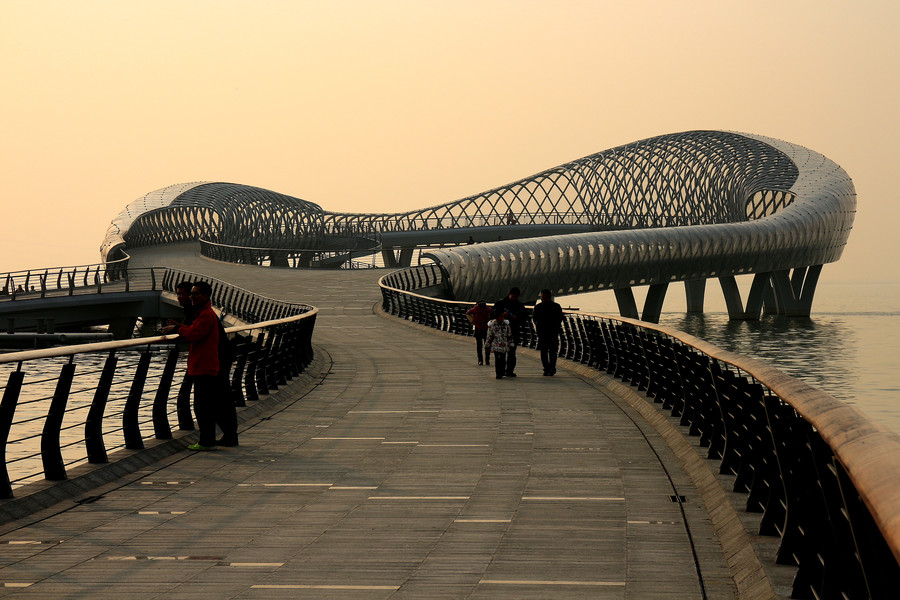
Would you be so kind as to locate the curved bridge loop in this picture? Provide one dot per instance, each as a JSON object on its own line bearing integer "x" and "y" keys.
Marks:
{"x": 682, "y": 207}
{"x": 822, "y": 474}
{"x": 784, "y": 212}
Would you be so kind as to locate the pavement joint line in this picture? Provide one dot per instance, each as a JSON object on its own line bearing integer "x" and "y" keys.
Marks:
{"x": 550, "y": 582}
{"x": 244, "y": 485}
{"x": 347, "y": 438}
{"x": 651, "y": 522}
{"x": 418, "y": 497}
{"x": 596, "y": 498}
{"x": 323, "y": 587}
{"x": 149, "y": 557}
{"x": 167, "y": 482}
{"x": 389, "y": 412}
{"x": 483, "y": 521}
{"x": 161, "y": 512}
{"x": 454, "y": 445}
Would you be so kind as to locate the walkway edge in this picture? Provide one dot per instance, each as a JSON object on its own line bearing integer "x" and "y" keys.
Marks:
{"x": 86, "y": 478}
{"x": 748, "y": 573}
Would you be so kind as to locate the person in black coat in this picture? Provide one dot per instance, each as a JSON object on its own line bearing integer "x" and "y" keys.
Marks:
{"x": 548, "y": 317}
{"x": 518, "y": 315}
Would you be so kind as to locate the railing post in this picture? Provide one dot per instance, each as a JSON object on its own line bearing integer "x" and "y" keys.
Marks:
{"x": 262, "y": 365}
{"x": 7, "y": 413}
{"x": 51, "y": 453}
{"x": 241, "y": 348}
{"x": 131, "y": 429}
{"x": 161, "y": 401}
{"x": 93, "y": 425}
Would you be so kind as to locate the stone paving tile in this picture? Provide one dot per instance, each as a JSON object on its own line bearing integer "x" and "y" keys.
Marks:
{"x": 393, "y": 476}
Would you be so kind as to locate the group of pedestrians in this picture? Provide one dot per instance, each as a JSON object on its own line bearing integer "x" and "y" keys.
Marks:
{"x": 498, "y": 331}
{"x": 208, "y": 365}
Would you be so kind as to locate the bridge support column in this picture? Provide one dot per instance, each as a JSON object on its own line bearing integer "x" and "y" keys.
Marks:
{"x": 390, "y": 260}
{"x": 627, "y": 305}
{"x": 794, "y": 293}
{"x": 653, "y": 303}
{"x": 279, "y": 259}
{"x": 406, "y": 256}
{"x": 736, "y": 309}
{"x": 695, "y": 294}
{"x": 122, "y": 327}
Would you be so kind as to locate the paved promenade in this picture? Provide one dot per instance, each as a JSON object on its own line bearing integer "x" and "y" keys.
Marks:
{"x": 408, "y": 472}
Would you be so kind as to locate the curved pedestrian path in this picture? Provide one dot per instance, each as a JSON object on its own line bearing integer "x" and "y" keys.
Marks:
{"x": 406, "y": 472}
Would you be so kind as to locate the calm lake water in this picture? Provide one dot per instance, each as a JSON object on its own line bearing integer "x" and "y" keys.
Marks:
{"x": 849, "y": 347}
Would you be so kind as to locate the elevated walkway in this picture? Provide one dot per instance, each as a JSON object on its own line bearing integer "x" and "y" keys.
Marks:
{"x": 407, "y": 472}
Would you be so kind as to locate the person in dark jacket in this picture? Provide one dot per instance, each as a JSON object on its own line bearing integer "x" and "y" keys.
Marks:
{"x": 518, "y": 315}
{"x": 548, "y": 317}
{"x": 203, "y": 362}
{"x": 479, "y": 315}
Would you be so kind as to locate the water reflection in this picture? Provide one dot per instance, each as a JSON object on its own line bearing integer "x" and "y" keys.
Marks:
{"x": 822, "y": 352}
{"x": 23, "y": 451}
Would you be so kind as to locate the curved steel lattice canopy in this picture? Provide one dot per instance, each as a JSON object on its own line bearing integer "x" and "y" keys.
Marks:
{"x": 677, "y": 207}
{"x": 706, "y": 204}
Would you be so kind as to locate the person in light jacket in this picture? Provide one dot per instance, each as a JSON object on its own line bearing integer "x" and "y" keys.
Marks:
{"x": 499, "y": 340}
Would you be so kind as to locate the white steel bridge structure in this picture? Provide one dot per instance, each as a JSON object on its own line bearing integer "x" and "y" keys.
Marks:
{"x": 684, "y": 207}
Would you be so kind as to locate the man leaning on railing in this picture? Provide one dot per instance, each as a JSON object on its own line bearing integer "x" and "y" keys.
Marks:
{"x": 203, "y": 362}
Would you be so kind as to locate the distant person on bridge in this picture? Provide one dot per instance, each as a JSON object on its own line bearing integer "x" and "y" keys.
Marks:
{"x": 518, "y": 314}
{"x": 499, "y": 341}
{"x": 478, "y": 316}
{"x": 548, "y": 317}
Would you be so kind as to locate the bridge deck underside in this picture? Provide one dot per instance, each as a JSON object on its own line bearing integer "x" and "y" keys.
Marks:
{"x": 409, "y": 472}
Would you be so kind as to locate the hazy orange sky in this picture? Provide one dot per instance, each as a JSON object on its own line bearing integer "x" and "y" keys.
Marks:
{"x": 393, "y": 105}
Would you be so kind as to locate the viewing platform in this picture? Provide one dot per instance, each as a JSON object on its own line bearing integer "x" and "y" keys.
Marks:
{"x": 403, "y": 471}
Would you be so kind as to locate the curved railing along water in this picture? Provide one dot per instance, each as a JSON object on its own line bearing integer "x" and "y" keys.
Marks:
{"x": 273, "y": 345}
{"x": 38, "y": 283}
{"x": 823, "y": 475}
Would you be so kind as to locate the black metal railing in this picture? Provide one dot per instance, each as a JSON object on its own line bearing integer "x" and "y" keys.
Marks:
{"x": 121, "y": 389}
{"x": 292, "y": 257}
{"x": 823, "y": 476}
{"x": 55, "y": 281}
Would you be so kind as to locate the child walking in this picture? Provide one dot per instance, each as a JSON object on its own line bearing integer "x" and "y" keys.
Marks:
{"x": 499, "y": 338}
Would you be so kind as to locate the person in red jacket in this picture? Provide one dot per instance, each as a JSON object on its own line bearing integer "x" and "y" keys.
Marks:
{"x": 203, "y": 362}
{"x": 478, "y": 316}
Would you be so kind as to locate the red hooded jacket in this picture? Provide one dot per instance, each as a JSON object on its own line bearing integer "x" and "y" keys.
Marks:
{"x": 203, "y": 334}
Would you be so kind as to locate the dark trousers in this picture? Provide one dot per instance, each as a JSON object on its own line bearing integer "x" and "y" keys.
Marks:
{"x": 511, "y": 359}
{"x": 549, "y": 352}
{"x": 480, "y": 336}
{"x": 500, "y": 363}
{"x": 226, "y": 414}
{"x": 206, "y": 391}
